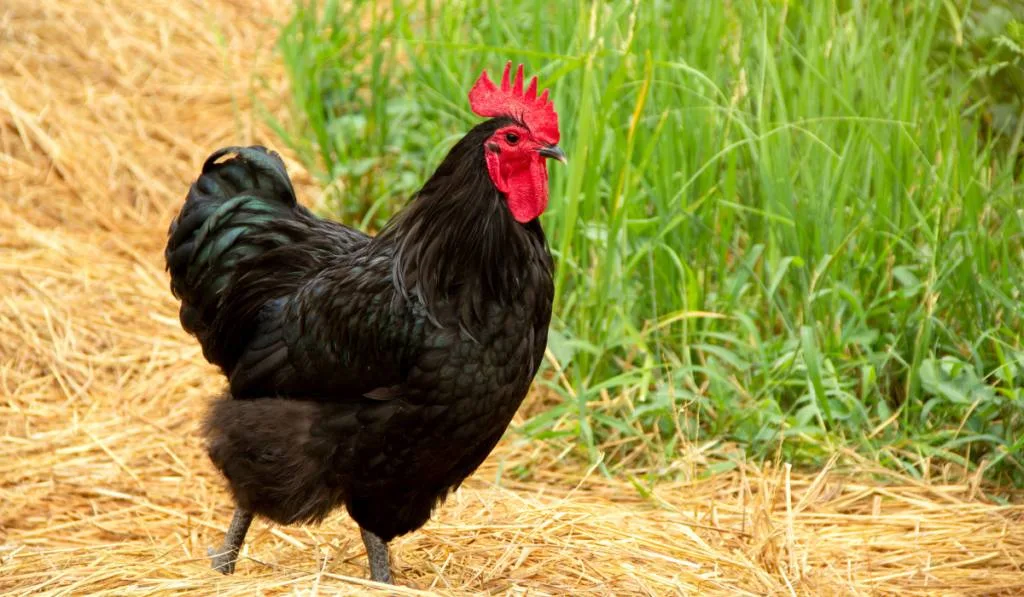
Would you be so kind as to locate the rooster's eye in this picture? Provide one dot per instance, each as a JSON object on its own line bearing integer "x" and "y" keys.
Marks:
{"x": 512, "y": 138}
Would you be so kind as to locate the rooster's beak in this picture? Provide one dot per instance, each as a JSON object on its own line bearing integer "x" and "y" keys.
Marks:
{"x": 554, "y": 152}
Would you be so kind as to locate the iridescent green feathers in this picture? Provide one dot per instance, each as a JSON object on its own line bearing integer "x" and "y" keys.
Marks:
{"x": 228, "y": 218}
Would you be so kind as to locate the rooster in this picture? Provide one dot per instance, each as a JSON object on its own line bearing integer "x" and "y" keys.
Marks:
{"x": 374, "y": 373}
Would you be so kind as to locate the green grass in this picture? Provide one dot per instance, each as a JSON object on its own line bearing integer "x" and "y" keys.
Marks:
{"x": 794, "y": 225}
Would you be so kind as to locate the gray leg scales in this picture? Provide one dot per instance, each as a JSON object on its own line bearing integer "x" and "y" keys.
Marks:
{"x": 223, "y": 559}
{"x": 377, "y": 554}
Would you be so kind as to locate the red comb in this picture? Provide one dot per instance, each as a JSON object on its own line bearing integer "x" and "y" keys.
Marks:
{"x": 537, "y": 112}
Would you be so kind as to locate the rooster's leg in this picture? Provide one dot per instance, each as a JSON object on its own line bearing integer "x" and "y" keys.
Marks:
{"x": 377, "y": 553}
{"x": 223, "y": 559}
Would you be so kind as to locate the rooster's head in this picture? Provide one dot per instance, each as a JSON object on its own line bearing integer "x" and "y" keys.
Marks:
{"x": 516, "y": 153}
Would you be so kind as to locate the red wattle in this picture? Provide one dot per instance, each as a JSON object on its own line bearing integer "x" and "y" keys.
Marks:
{"x": 525, "y": 188}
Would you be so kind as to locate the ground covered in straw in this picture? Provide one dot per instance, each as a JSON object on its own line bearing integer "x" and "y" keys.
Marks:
{"x": 107, "y": 110}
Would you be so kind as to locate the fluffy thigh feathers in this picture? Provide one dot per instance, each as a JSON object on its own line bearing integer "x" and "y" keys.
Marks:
{"x": 277, "y": 459}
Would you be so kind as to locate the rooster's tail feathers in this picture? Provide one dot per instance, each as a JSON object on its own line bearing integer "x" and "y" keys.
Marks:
{"x": 237, "y": 210}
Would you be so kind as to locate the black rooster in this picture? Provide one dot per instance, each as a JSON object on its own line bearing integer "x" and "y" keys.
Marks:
{"x": 371, "y": 372}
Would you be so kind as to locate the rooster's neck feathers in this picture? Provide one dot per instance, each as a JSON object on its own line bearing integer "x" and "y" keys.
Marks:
{"x": 456, "y": 246}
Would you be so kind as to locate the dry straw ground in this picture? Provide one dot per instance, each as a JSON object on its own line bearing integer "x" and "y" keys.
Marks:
{"x": 107, "y": 108}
